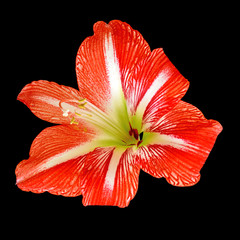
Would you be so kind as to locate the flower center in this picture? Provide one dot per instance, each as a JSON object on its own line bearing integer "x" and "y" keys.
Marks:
{"x": 114, "y": 128}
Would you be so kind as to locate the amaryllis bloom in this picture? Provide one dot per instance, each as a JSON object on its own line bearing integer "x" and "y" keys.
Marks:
{"x": 127, "y": 115}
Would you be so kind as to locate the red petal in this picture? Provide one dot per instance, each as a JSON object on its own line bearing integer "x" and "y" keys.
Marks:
{"x": 131, "y": 48}
{"x": 63, "y": 179}
{"x": 55, "y": 162}
{"x": 185, "y": 140}
{"x": 106, "y": 58}
{"x": 109, "y": 178}
{"x": 157, "y": 86}
{"x": 91, "y": 69}
{"x": 43, "y": 97}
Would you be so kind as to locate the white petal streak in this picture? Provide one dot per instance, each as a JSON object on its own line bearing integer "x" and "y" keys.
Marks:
{"x": 173, "y": 141}
{"x": 62, "y": 157}
{"x": 112, "y": 65}
{"x": 157, "y": 84}
{"x": 48, "y": 100}
{"x": 70, "y": 154}
{"x": 112, "y": 168}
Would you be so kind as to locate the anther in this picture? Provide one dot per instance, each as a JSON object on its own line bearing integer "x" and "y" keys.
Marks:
{"x": 73, "y": 121}
{"x": 82, "y": 106}
{"x": 78, "y": 114}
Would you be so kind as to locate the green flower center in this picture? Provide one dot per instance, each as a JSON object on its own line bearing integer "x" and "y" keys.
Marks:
{"x": 116, "y": 128}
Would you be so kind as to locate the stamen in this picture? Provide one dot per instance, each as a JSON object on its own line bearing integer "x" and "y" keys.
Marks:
{"x": 82, "y": 106}
{"x": 78, "y": 114}
{"x": 73, "y": 121}
{"x": 82, "y": 109}
{"x": 104, "y": 118}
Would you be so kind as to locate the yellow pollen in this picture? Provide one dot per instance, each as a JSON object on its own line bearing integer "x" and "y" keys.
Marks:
{"x": 78, "y": 114}
{"x": 73, "y": 121}
{"x": 82, "y": 100}
{"x": 81, "y": 106}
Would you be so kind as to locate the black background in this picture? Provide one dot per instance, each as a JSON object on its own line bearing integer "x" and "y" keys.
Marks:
{"x": 44, "y": 40}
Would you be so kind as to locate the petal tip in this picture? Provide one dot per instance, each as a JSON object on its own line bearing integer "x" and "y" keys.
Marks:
{"x": 187, "y": 181}
{"x": 20, "y": 96}
{"x": 217, "y": 126}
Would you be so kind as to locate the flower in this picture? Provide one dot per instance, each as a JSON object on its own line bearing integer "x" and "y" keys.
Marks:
{"x": 127, "y": 115}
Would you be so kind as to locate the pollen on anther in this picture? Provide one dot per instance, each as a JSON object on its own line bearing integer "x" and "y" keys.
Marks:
{"x": 73, "y": 121}
{"x": 78, "y": 114}
{"x": 82, "y": 106}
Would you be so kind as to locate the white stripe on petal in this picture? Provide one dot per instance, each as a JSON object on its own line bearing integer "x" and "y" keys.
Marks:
{"x": 118, "y": 102}
{"x": 171, "y": 140}
{"x": 112, "y": 168}
{"x": 113, "y": 70}
{"x": 62, "y": 157}
{"x": 157, "y": 84}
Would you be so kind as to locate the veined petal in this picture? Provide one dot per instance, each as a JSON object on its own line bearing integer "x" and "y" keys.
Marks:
{"x": 105, "y": 60}
{"x": 56, "y": 159}
{"x": 130, "y": 49}
{"x": 91, "y": 67}
{"x": 179, "y": 147}
{"x": 109, "y": 177}
{"x": 43, "y": 99}
{"x": 157, "y": 87}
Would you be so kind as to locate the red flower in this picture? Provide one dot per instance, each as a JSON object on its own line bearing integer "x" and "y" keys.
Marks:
{"x": 126, "y": 116}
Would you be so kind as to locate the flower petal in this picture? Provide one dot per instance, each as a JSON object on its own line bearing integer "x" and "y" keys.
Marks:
{"x": 104, "y": 61}
{"x": 130, "y": 48}
{"x": 180, "y": 146}
{"x": 157, "y": 87}
{"x": 56, "y": 159}
{"x": 43, "y": 98}
{"x": 109, "y": 177}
